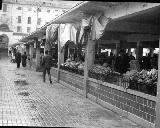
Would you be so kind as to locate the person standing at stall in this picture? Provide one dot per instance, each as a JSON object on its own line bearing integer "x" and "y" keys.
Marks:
{"x": 24, "y": 57}
{"x": 122, "y": 62}
{"x": 47, "y": 62}
{"x": 18, "y": 58}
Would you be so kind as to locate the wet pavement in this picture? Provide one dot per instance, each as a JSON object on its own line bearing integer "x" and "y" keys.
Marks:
{"x": 26, "y": 101}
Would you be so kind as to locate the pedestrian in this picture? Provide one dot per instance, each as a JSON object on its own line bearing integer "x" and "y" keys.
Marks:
{"x": 41, "y": 60}
{"x": 122, "y": 62}
{"x": 47, "y": 62}
{"x": 29, "y": 61}
{"x": 18, "y": 58}
{"x": 24, "y": 57}
{"x": 131, "y": 57}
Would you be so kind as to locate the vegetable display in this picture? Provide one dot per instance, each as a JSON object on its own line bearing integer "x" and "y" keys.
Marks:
{"x": 144, "y": 81}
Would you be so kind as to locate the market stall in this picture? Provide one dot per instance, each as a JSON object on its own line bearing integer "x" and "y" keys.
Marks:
{"x": 95, "y": 75}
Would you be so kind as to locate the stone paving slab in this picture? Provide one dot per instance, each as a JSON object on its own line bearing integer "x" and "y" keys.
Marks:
{"x": 26, "y": 101}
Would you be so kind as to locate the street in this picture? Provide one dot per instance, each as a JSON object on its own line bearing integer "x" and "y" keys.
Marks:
{"x": 26, "y": 101}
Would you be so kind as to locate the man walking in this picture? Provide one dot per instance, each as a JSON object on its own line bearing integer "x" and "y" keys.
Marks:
{"x": 47, "y": 61}
{"x": 18, "y": 58}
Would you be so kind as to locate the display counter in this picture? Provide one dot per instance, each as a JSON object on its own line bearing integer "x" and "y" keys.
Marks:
{"x": 129, "y": 103}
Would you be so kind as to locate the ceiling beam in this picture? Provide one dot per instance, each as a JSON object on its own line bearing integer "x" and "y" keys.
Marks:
{"x": 129, "y": 9}
{"x": 133, "y": 28}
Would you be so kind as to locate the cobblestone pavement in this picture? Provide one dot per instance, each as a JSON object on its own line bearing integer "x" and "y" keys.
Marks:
{"x": 34, "y": 103}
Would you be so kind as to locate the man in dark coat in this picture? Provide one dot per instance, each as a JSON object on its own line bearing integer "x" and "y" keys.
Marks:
{"x": 24, "y": 57}
{"x": 18, "y": 58}
{"x": 47, "y": 62}
{"x": 122, "y": 62}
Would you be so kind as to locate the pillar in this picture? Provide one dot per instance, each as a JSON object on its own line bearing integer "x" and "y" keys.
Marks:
{"x": 37, "y": 55}
{"x": 89, "y": 61}
{"x": 117, "y": 48}
{"x": 129, "y": 51}
{"x": 59, "y": 53}
{"x": 31, "y": 50}
{"x": 157, "y": 122}
{"x": 27, "y": 49}
{"x": 31, "y": 54}
{"x": 151, "y": 51}
{"x": 139, "y": 50}
{"x": 62, "y": 56}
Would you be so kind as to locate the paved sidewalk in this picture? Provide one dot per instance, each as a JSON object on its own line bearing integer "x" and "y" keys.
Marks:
{"x": 34, "y": 103}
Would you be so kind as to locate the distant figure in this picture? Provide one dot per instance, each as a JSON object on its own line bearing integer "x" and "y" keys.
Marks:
{"x": 131, "y": 57}
{"x": 122, "y": 62}
{"x": 29, "y": 60}
{"x": 41, "y": 60}
{"x": 24, "y": 57}
{"x": 18, "y": 58}
{"x": 47, "y": 62}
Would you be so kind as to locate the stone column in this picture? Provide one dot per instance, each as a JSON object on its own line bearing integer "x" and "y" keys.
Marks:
{"x": 37, "y": 55}
{"x": 27, "y": 49}
{"x": 117, "y": 48}
{"x": 129, "y": 51}
{"x": 31, "y": 54}
{"x": 151, "y": 51}
{"x": 31, "y": 50}
{"x": 157, "y": 122}
{"x": 139, "y": 50}
{"x": 89, "y": 61}
{"x": 59, "y": 53}
{"x": 62, "y": 56}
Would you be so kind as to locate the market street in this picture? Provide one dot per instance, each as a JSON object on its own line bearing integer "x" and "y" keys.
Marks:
{"x": 34, "y": 103}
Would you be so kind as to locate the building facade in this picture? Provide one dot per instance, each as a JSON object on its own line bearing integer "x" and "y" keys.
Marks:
{"x": 24, "y": 17}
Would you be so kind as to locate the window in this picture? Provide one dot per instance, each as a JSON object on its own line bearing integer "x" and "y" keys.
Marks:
{"x": 48, "y": 11}
{"x": 39, "y": 21}
{"x": 4, "y": 7}
{"x": 19, "y": 19}
{"x": 28, "y": 29}
{"x": 19, "y": 29}
{"x": 29, "y": 20}
{"x": 19, "y": 8}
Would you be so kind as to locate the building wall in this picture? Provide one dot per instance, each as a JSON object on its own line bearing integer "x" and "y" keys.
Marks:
{"x": 10, "y": 17}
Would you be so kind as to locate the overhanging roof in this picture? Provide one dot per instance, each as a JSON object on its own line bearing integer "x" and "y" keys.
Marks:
{"x": 73, "y": 15}
{"x": 86, "y": 8}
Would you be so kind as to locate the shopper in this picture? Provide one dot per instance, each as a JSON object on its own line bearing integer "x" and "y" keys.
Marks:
{"x": 122, "y": 62}
{"x": 24, "y": 57}
{"x": 41, "y": 60}
{"x": 29, "y": 60}
{"x": 18, "y": 58}
{"x": 131, "y": 57}
{"x": 47, "y": 62}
